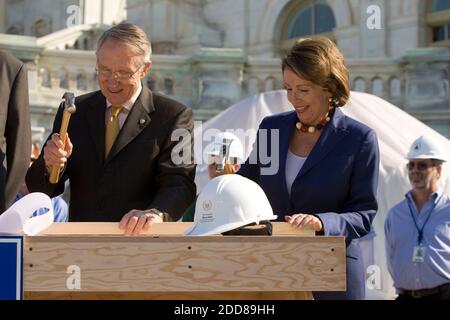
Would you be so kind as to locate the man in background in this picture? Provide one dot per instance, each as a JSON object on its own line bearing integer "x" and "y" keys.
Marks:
{"x": 418, "y": 228}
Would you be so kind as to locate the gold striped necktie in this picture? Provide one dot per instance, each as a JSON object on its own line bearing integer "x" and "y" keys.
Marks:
{"x": 112, "y": 128}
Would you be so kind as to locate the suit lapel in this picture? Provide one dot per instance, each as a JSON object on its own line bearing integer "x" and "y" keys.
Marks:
{"x": 137, "y": 120}
{"x": 329, "y": 139}
{"x": 96, "y": 121}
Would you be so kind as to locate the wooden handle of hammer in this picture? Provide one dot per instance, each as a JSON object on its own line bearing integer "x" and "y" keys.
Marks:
{"x": 55, "y": 171}
{"x": 229, "y": 168}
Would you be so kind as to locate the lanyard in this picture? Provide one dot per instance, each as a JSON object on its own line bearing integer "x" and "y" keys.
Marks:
{"x": 420, "y": 230}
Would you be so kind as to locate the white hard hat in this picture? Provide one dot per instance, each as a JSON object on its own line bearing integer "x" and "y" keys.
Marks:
{"x": 229, "y": 202}
{"x": 426, "y": 147}
{"x": 236, "y": 148}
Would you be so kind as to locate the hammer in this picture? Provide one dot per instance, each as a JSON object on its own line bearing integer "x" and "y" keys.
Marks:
{"x": 224, "y": 164}
{"x": 69, "y": 109}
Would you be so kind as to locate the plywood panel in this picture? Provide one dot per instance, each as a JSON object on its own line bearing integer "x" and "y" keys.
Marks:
{"x": 168, "y": 295}
{"x": 186, "y": 264}
{"x": 94, "y": 229}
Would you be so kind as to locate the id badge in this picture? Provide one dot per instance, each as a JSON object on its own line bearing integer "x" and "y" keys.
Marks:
{"x": 418, "y": 254}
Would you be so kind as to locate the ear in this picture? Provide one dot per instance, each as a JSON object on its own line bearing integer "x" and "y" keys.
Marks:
{"x": 328, "y": 93}
{"x": 439, "y": 170}
{"x": 145, "y": 69}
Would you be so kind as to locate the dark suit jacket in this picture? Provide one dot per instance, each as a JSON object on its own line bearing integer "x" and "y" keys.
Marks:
{"x": 138, "y": 173}
{"x": 337, "y": 183}
{"x": 15, "y": 130}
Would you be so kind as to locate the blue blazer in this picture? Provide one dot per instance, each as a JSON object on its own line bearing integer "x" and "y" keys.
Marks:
{"x": 337, "y": 183}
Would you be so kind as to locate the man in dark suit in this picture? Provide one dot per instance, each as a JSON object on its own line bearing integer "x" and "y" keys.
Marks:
{"x": 15, "y": 130}
{"x": 120, "y": 157}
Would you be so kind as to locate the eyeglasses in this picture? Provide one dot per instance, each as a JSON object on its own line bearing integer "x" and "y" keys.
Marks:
{"x": 419, "y": 165}
{"x": 119, "y": 75}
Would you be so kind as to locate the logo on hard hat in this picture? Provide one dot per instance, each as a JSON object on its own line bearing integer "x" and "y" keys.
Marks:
{"x": 207, "y": 205}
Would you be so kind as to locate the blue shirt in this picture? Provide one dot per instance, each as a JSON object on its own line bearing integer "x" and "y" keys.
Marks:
{"x": 402, "y": 236}
{"x": 60, "y": 209}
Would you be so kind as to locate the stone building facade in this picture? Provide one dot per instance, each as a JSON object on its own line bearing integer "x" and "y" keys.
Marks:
{"x": 212, "y": 53}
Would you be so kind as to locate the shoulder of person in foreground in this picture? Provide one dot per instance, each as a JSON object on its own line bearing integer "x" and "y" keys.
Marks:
{"x": 10, "y": 60}
{"x": 355, "y": 127}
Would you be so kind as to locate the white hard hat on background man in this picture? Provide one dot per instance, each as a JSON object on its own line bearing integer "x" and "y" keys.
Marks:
{"x": 236, "y": 149}
{"x": 229, "y": 202}
{"x": 426, "y": 147}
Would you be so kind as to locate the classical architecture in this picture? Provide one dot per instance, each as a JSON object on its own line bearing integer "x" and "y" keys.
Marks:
{"x": 212, "y": 53}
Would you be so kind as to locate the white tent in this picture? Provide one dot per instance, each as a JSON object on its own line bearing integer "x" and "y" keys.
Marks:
{"x": 396, "y": 130}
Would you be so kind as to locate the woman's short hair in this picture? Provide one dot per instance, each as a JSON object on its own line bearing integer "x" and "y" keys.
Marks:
{"x": 131, "y": 35}
{"x": 319, "y": 61}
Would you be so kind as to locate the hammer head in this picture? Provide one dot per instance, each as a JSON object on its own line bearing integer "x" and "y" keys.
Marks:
{"x": 69, "y": 102}
{"x": 223, "y": 154}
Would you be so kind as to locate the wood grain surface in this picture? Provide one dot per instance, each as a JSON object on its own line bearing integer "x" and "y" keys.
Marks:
{"x": 186, "y": 264}
{"x": 168, "y": 295}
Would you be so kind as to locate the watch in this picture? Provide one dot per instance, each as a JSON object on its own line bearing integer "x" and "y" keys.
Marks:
{"x": 157, "y": 212}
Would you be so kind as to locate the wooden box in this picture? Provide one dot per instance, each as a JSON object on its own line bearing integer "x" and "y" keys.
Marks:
{"x": 95, "y": 261}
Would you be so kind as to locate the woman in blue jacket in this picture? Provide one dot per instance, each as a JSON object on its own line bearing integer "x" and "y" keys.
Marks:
{"x": 317, "y": 166}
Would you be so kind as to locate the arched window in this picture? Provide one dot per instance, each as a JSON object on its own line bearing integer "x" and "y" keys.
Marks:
{"x": 45, "y": 77}
{"x": 41, "y": 28}
{"x": 359, "y": 84}
{"x": 168, "y": 86}
{"x": 314, "y": 17}
{"x": 15, "y": 29}
{"x": 377, "y": 87}
{"x": 81, "y": 82}
{"x": 306, "y": 18}
{"x": 438, "y": 20}
{"x": 395, "y": 88}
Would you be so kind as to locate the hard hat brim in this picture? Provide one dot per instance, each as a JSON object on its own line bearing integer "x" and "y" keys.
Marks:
{"x": 203, "y": 230}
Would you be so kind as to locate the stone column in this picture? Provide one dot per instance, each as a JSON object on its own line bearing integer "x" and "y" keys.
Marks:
{"x": 2, "y": 16}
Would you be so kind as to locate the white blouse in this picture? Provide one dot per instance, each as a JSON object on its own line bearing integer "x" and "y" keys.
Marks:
{"x": 293, "y": 165}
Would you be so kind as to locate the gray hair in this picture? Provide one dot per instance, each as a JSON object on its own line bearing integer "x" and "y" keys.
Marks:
{"x": 131, "y": 35}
